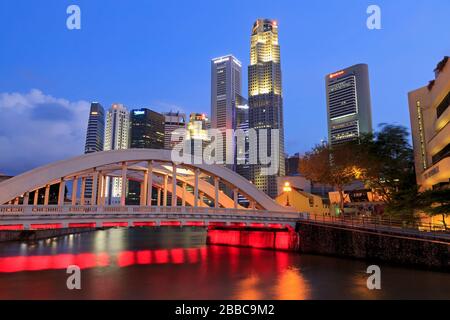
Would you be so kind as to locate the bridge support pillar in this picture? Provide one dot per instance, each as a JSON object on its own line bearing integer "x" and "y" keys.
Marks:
{"x": 36, "y": 197}
{"x": 105, "y": 186}
{"x": 235, "y": 198}
{"x": 74, "y": 190}
{"x": 62, "y": 191}
{"x": 197, "y": 173}
{"x": 123, "y": 194}
{"x": 166, "y": 179}
{"x": 101, "y": 185}
{"x": 216, "y": 192}
{"x": 158, "y": 201}
{"x": 26, "y": 198}
{"x": 183, "y": 200}
{"x": 94, "y": 189}
{"x": 174, "y": 185}
{"x": 47, "y": 195}
{"x": 83, "y": 190}
{"x": 149, "y": 183}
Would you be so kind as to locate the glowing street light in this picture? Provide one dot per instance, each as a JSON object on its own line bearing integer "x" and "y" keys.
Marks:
{"x": 287, "y": 188}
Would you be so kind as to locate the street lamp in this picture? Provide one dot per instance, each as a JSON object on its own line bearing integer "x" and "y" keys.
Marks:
{"x": 287, "y": 188}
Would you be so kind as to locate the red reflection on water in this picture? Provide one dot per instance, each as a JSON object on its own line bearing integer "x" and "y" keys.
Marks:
{"x": 192, "y": 255}
{"x": 161, "y": 256}
{"x": 177, "y": 256}
{"x": 144, "y": 257}
{"x": 125, "y": 259}
{"x": 254, "y": 239}
{"x": 55, "y": 262}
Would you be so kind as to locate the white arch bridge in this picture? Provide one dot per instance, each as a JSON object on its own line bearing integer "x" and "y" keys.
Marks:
{"x": 167, "y": 194}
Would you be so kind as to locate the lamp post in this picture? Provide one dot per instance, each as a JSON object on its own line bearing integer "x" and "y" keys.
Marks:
{"x": 287, "y": 188}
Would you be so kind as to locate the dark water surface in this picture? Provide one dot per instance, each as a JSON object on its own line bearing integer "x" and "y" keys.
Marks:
{"x": 174, "y": 263}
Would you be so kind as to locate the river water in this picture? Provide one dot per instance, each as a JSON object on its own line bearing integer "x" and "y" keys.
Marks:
{"x": 175, "y": 263}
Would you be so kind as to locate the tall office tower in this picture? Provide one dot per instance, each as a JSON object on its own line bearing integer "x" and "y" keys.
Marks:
{"x": 242, "y": 152}
{"x": 265, "y": 99}
{"x": 116, "y": 138}
{"x": 146, "y": 132}
{"x": 429, "y": 109}
{"x": 225, "y": 88}
{"x": 349, "y": 107}
{"x": 94, "y": 137}
{"x": 172, "y": 122}
{"x": 146, "y": 129}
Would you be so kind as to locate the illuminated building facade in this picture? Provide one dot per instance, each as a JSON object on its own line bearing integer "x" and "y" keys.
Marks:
{"x": 429, "y": 109}
{"x": 349, "y": 108}
{"x": 172, "y": 122}
{"x": 116, "y": 138}
{"x": 95, "y": 136}
{"x": 197, "y": 132}
{"x": 265, "y": 98}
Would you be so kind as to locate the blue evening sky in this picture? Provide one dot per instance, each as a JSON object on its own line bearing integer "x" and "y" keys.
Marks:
{"x": 148, "y": 53}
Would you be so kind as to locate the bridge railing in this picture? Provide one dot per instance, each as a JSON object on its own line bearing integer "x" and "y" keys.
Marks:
{"x": 17, "y": 210}
{"x": 418, "y": 228}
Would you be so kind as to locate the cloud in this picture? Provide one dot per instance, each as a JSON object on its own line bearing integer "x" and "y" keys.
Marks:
{"x": 37, "y": 128}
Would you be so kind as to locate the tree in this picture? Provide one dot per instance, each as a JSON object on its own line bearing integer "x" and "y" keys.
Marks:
{"x": 387, "y": 161}
{"x": 436, "y": 203}
{"x": 331, "y": 166}
{"x": 403, "y": 204}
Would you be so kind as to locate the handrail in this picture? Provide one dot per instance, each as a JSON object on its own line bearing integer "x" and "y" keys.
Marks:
{"x": 371, "y": 223}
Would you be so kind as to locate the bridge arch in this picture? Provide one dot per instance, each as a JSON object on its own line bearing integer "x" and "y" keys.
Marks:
{"x": 150, "y": 168}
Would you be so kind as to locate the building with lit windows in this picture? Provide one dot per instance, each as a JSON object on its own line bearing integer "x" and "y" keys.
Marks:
{"x": 197, "y": 132}
{"x": 349, "y": 108}
{"x": 242, "y": 152}
{"x": 146, "y": 132}
{"x": 429, "y": 109}
{"x": 116, "y": 138}
{"x": 265, "y": 99}
{"x": 146, "y": 129}
{"x": 95, "y": 136}
{"x": 172, "y": 122}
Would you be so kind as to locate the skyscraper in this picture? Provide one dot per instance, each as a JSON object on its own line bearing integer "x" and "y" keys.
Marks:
{"x": 94, "y": 137}
{"x": 172, "y": 122}
{"x": 225, "y": 89}
{"x": 146, "y": 129}
{"x": 146, "y": 132}
{"x": 116, "y": 138}
{"x": 242, "y": 152}
{"x": 349, "y": 107}
{"x": 265, "y": 98}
